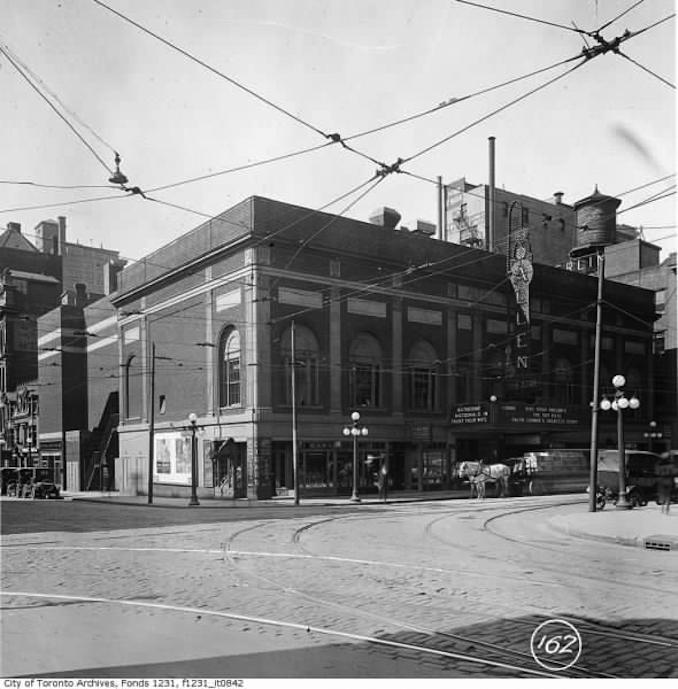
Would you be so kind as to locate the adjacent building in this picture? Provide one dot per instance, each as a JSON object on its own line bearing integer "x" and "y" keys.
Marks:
{"x": 35, "y": 277}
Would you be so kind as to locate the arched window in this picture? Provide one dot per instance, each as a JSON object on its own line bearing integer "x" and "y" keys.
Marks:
{"x": 132, "y": 388}
{"x": 423, "y": 387}
{"x": 229, "y": 376}
{"x": 563, "y": 379}
{"x": 365, "y": 367}
{"x": 307, "y": 356}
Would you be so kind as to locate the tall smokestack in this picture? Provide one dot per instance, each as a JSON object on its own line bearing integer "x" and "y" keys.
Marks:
{"x": 491, "y": 225}
{"x": 441, "y": 200}
{"x": 62, "y": 235}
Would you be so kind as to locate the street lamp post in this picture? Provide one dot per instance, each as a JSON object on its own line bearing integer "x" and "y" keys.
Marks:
{"x": 355, "y": 430}
{"x": 193, "y": 420}
{"x": 653, "y": 433}
{"x": 619, "y": 404}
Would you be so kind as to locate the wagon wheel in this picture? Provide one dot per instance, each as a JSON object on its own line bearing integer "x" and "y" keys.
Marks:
{"x": 535, "y": 487}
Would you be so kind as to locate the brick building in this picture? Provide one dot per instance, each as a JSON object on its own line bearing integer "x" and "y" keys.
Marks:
{"x": 37, "y": 276}
{"x": 425, "y": 338}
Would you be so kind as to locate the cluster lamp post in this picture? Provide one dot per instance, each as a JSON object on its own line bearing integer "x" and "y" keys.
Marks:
{"x": 619, "y": 404}
{"x": 356, "y": 429}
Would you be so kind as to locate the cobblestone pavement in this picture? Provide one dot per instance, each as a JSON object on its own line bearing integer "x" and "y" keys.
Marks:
{"x": 470, "y": 581}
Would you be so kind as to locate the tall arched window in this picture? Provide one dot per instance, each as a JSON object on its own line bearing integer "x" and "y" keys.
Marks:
{"x": 132, "y": 388}
{"x": 307, "y": 356}
{"x": 423, "y": 387}
{"x": 229, "y": 376}
{"x": 366, "y": 373}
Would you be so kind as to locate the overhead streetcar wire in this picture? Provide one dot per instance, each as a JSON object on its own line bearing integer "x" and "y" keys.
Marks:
{"x": 524, "y": 16}
{"x": 455, "y": 101}
{"x": 239, "y": 168}
{"x": 36, "y": 78}
{"x": 495, "y": 112}
{"x": 55, "y": 109}
{"x": 619, "y": 16}
{"x": 214, "y": 70}
{"x": 645, "y": 69}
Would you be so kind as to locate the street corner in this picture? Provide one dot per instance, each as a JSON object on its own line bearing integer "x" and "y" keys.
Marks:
{"x": 641, "y": 527}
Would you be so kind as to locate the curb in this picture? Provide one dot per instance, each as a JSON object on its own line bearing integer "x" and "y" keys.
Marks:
{"x": 260, "y": 503}
{"x": 634, "y": 542}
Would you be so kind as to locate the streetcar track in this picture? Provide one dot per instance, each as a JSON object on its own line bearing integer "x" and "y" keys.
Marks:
{"x": 625, "y": 636}
{"x": 235, "y": 555}
{"x": 290, "y": 625}
{"x": 431, "y": 636}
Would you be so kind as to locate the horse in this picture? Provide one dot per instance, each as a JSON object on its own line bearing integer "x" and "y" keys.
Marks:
{"x": 479, "y": 473}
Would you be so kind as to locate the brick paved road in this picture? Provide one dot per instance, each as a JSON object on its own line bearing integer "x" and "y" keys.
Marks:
{"x": 418, "y": 575}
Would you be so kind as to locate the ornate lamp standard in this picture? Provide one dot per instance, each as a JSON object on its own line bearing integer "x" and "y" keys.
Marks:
{"x": 619, "y": 404}
{"x": 652, "y": 434}
{"x": 355, "y": 430}
{"x": 193, "y": 420}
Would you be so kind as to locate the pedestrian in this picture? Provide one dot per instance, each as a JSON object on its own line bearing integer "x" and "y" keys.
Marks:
{"x": 664, "y": 472}
{"x": 382, "y": 482}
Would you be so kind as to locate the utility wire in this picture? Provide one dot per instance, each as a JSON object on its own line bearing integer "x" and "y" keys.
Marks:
{"x": 36, "y": 78}
{"x": 57, "y": 186}
{"x": 524, "y": 16}
{"x": 632, "y": 34}
{"x": 51, "y": 105}
{"x": 494, "y": 112}
{"x": 645, "y": 69}
{"x": 619, "y": 16}
{"x": 454, "y": 101}
{"x": 376, "y": 180}
{"x": 197, "y": 60}
{"x": 247, "y": 166}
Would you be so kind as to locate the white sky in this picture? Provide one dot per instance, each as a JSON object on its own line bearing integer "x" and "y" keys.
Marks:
{"x": 343, "y": 66}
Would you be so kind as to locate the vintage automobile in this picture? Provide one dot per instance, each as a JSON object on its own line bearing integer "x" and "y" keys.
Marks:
{"x": 29, "y": 482}
{"x": 641, "y": 477}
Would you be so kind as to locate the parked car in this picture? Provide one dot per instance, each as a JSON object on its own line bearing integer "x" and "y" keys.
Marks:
{"x": 29, "y": 482}
{"x": 640, "y": 474}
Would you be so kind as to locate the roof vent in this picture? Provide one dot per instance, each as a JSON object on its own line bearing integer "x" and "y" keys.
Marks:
{"x": 424, "y": 228}
{"x": 385, "y": 217}
{"x": 558, "y": 197}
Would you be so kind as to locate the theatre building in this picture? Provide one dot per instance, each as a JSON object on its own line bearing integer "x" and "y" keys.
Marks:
{"x": 447, "y": 352}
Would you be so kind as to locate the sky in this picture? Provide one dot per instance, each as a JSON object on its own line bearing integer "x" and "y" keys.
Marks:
{"x": 339, "y": 66}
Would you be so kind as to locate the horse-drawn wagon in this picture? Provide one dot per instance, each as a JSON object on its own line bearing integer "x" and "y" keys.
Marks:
{"x": 480, "y": 476}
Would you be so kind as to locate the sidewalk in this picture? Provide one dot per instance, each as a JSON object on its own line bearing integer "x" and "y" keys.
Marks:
{"x": 644, "y": 527}
{"x": 284, "y": 501}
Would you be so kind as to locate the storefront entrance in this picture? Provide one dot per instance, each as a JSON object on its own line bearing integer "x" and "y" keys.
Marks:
{"x": 229, "y": 467}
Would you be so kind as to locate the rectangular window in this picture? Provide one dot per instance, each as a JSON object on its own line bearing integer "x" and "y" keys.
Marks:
{"x": 423, "y": 389}
{"x": 525, "y": 216}
{"x": 464, "y": 322}
{"x": 660, "y": 299}
{"x": 306, "y": 382}
{"x": 232, "y": 371}
{"x": 366, "y": 390}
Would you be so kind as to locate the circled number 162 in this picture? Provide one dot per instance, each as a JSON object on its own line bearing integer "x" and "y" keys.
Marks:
{"x": 552, "y": 645}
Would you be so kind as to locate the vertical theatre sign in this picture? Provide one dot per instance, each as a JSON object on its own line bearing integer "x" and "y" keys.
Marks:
{"x": 520, "y": 271}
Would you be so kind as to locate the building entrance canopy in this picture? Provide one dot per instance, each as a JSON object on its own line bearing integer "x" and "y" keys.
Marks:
{"x": 510, "y": 414}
